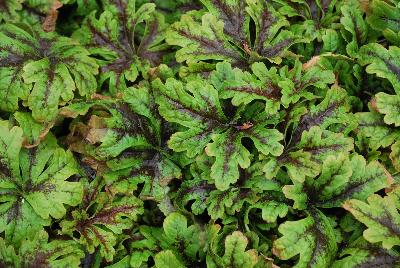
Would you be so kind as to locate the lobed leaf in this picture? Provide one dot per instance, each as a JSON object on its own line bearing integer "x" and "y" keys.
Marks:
{"x": 34, "y": 184}
{"x": 381, "y": 217}
{"x": 341, "y": 179}
{"x": 312, "y": 238}
{"x": 127, "y": 38}
{"x": 35, "y": 66}
{"x": 382, "y": 62}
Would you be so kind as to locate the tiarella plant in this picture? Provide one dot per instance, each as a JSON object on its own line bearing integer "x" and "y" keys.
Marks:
{"x": 199, "y": 133}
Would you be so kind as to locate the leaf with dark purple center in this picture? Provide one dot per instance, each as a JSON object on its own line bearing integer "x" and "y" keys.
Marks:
{"x": 224, "y": 33}
{"x": 277, "y": 87}
{"x": 33, "y": 184}
{"x": 371, "y": 125}
{"x": 101, "y": 218}
{"x": 355, "y": 28}
{"x": 304, "y": 158}
{"x": 197, "y": 108}
{"x": 382, "y": 62}
{"x": 312, "y": 238}
{"x": 380, "y": 215}
{"x": 341, "y": 179}
{"x": 384, "y": 18}
{"x": 43, "y": 70}
{"x": 39, "y": 252}
{"x": 363, "y": 254}
{"x": 126, "y": 39}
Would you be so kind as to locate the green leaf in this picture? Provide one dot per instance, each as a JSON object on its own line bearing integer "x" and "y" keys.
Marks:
{"x": 8, "y": 10}
{"x": 331, "y": 40}
{"x": 353, "y": 22}
{"x": 200, "y": 112}
{"x": 224, "y": 33}
{"x": 40, "y": 251}
{"x": 229, "y": 153}
{"x": 273, "y": 205}
{"x": 185, "y": 243}
{"x": 274, "y": 88}
{"x": 34, "y": 132}
{"x": 223, "y": 203}
{"x": 201, "y": 39}
{"x": 235, "y": 254}
{"x": 389, "y": 105}
{"x": 342, "y": 178}
{"x": 167, "y": 259}
{"x": 196, "y": 106}
{"x": 43, "y": 70}
{"x": 382, "y": 62}
{"x": 312, "y": 238}
{"x": 33, "y": 182}
{"x": 379, "y": 134}
{"x": 361, "y": 253}
{"x": 383, "y": 18}
{"x": 127, "y": 38}
{"x": 176, "y": 232}
{"x": 197, "y": 191}
{"x": 100, "y": 219}
{"x": 381, "y": 217}
{"x": 395, "y": 155}
{"x": 305, "y": 158}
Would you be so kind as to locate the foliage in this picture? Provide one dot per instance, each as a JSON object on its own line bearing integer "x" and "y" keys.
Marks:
{"x": 206, "y": 133}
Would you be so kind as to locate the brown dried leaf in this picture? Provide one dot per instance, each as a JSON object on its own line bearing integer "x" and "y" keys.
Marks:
{"x": 49, "y": 23}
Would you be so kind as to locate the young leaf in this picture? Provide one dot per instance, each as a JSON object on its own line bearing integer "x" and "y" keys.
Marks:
{"x": 272, "y": 205}
{"x": 312, "y": 238}
{"x": 176, "y": 241}
{"x": 187, "y": 238}
{"x": 222, "y": 203}
{"x": 33, "y": 182}
{"x": 196, "y": 192}
{"x": 42, "y": 69}
{"x": 127, "y": 38}
{"x": 236, "y": 254}
{"x": 380, "y": 215}
{"x": 341, "y": 179}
